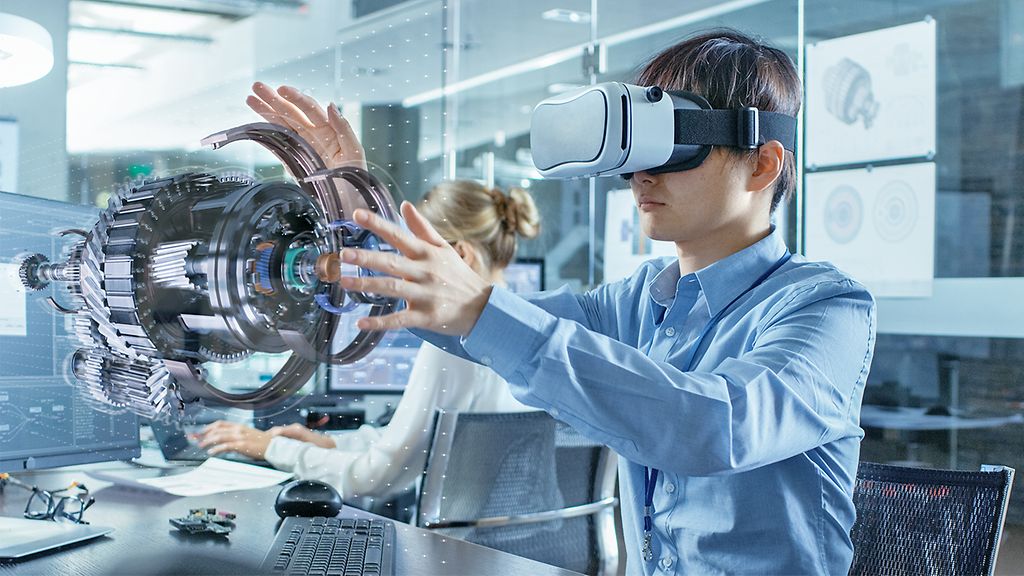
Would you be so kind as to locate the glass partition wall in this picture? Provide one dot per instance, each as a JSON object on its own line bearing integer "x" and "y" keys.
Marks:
{"x": 947, "y": 382}
{"x": 910, "y": 155}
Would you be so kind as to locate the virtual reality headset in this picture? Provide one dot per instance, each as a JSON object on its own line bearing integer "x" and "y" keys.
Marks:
{"x": 616, "y": 128}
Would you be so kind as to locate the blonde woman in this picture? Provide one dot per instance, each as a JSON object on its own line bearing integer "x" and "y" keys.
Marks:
{"x": 483, "y": 225}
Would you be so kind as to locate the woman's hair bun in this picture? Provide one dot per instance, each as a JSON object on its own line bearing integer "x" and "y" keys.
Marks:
{"x": 521, "y": 215}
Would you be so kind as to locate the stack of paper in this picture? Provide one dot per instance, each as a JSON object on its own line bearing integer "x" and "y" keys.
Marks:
{"x": 213, "y": 476}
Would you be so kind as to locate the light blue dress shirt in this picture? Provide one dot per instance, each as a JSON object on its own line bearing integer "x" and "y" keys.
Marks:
{"x": 757, "y": 446}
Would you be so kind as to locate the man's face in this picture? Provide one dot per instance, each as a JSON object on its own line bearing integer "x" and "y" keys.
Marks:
{"x": 693, "y": 204}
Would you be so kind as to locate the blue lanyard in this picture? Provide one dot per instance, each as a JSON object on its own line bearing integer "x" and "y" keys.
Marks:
{"x": 651, "y": 474}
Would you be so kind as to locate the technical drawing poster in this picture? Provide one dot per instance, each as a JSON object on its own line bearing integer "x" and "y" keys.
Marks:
{"x": 877, "y": 225}
{"x": 871, "y": 96}
{"x": 625, "y": 246}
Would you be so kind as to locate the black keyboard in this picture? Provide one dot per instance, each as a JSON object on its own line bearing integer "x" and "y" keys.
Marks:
{"x": 332, "y": 547}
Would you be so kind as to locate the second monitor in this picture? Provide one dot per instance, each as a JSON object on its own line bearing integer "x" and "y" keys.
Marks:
{"x": 45, "y": 421}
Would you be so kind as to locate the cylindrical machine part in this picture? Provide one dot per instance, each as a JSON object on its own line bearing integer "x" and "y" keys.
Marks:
{"x": 197, "y": 268}
{"x": 37, "y": 272}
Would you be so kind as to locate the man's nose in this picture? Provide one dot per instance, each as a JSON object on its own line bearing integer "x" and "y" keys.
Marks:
{"x": 643, "y": 178}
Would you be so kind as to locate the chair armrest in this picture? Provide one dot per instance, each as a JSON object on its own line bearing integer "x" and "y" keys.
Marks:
{"x": 531, "y": 518}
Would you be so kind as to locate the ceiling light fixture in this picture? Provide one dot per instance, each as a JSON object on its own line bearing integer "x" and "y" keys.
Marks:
{"x": 26, "y": 51}
{"x": 566, "y": 15}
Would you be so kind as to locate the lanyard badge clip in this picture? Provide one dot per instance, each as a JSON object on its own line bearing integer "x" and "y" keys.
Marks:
{"x": 650, "y": 480}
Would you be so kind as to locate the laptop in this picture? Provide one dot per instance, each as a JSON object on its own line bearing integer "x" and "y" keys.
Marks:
{"x": 175, "y": 445}
{"x": 20, "y": 537}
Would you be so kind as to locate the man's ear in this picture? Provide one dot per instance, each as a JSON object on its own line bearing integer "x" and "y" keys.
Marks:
{"x": 770, "y": 158}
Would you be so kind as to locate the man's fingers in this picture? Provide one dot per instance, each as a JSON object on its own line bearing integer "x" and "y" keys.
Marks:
{"x": 344, "y": 131}
{"x": 391, "y": 233}
{"x": 272, "y": 116}
{"x": 385, "y": 262}
{"x": 419, "y": 225}
{"x": 387, "y": 286}
{"x": 260, "y": 107}
{"x": 340, "y": 124}
{"x": 283, "y": 107}
{"x": 396, "y": 321}
{"x": 308, "y": 105}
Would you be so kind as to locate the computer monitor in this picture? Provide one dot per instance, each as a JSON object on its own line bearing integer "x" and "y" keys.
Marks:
{"x": 525, "y": 275}
{"x": 387, "y": 368}
{"x": 44, "y": 420}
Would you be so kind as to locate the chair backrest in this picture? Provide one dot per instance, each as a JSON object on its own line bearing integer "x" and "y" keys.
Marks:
{"x": 921, "y": 521}
{"x": 587, "y": 472}
{"x": 524, "y": 484}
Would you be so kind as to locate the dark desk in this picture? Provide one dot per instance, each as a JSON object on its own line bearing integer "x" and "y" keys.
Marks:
{"x": 918, "y": 420}
{"x": 145, "y": 543}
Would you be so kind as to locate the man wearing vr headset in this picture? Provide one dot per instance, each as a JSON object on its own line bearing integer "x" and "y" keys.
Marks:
{"x": 729, "y": 379}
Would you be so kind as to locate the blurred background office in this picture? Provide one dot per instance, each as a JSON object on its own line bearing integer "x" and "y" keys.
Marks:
{"x": 910, "y": 162}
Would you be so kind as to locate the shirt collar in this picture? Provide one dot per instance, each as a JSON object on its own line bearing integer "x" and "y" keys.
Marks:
{"x": 665, "y": 284}
{"x": 723, "y": 280}
{"x": 726, "y": 279}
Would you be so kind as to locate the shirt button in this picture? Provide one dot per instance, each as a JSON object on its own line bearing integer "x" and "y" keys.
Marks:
{"x": 666, "y": 562}
{"x": 553, "y": 412}
{"x": 670, "y": 487}
{"x": 486, "y": 360}
{"x": 670, "y": 332}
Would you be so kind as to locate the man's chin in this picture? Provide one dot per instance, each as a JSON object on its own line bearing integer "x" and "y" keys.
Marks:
{"x": 654, "y": 234}
{"x": 660, "y": 231}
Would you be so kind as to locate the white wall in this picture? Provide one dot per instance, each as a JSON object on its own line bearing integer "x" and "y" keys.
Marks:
{"x": 189, "y": 92}
{"x": 40, "y": 107}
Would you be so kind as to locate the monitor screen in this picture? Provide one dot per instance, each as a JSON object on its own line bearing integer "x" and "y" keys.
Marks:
{"x": 45, "y": 421}
{"x": 525, "y": 275}
{"x": 387, "y": 368}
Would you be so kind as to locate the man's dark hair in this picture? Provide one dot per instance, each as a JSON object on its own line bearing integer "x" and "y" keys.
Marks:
{"x": 732, "y": 70}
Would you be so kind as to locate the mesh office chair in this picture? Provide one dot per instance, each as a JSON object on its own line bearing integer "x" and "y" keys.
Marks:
{"x": 929, "y": 522}
{"x": 587, "y": 472}
{"x": 524, "y": 484}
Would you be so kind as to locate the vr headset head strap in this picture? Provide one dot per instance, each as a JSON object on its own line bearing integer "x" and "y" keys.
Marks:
{"x": 745, "y": 128}
{"x": 697, "y": 124}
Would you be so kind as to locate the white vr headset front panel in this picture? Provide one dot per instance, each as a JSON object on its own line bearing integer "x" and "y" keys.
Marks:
{"x": 651, "y": 131}
{"x": 605, "y": 129}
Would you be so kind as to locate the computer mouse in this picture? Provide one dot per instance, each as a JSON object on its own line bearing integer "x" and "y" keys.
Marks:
{"x": 307, "y": 498}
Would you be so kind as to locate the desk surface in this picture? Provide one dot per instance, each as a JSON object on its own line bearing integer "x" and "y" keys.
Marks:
{"x": 145, "y": 543}
{"x": 905, "y": 418}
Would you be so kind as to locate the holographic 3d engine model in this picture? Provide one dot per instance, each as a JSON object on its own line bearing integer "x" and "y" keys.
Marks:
{"x": 199, "y": 268}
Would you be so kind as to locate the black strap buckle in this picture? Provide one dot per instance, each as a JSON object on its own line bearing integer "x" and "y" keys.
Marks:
{"x": 748, "y": 130}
